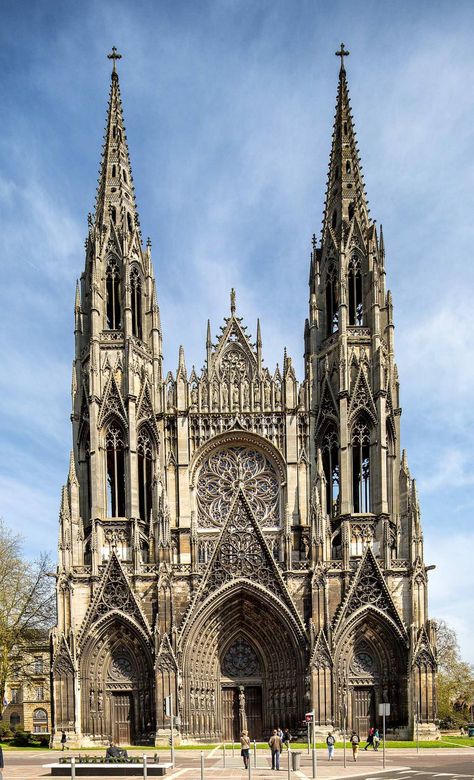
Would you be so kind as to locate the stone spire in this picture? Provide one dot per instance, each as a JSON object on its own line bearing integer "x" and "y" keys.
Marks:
{"x": 115, "y": 200}
{"x": 345, "y": 193}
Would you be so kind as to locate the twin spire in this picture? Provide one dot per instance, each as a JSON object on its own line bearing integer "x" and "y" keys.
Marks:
{"x": 115, "y": 202}
{"x": 345, "y": 193}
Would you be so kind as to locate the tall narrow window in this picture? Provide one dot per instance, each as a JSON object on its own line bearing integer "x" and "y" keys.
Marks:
{"x": 332, "y": 310}
{"x": 356, "y": 313}
{"x": 361, "y": 467}
{"x": 114, "y": 309}
{"x": 330, "y": 452}
{"x": 145, "y": 473}
{"x": 136, "y": 290}
{"x": 115, "y": 448}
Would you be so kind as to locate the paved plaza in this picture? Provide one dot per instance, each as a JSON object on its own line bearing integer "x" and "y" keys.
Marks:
{"x": 400, "y": 765}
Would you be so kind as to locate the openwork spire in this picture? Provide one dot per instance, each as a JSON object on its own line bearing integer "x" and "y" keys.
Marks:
{"x": 115, "y": 202}
{"x": 345, "y": 194}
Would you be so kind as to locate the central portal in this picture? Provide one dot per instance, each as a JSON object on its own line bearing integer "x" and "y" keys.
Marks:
{"x": 242, "y": 708}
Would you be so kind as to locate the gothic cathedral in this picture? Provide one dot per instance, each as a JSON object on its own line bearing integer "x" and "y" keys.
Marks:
{"x": 247, "y": 543}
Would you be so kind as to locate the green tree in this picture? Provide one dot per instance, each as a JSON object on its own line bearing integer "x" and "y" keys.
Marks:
{"x": 27, "y": 605}
{"x": 455, "y": 679}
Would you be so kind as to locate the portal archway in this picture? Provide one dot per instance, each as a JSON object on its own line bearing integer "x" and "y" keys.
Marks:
{"x": 242, "y": 640}
{"x": 117, "y": 684}
{"x": 371, "y": 663}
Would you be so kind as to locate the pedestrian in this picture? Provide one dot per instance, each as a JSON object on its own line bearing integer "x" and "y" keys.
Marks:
{"x": 245, "y": 748}
{"x": 330, "y": 741}
{"x": 376, "y": 739}
{"x": 286, "y": 738}
{"x": 370, "y": 738}
{"x": 275, "y": 746}
{"x": 355, "y": 739}
{"x": 280, "y": 732}
{"x": 1, "y": 763}
{"x": 63, "y": 740}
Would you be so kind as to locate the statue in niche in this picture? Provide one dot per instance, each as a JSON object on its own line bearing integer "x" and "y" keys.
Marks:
{"x": 225, "y": 395}
{"x": 246, "y": 394}
{"x": 266, "y": 392}
{"x": 204, "y": 395}
{"x": 215, "y": 396}
{"x": 194, "y": 396}
{"x": 278, "y": 394}
{"x": 235, "y": 394}
{"x": 242, "y": 715}
{"x": 256, "y": 394}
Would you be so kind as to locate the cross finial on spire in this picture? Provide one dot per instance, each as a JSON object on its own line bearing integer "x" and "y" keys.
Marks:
{"x": 114, "y": 55}
{"x": 232, "y": 301}
{"x": 342, "y": 52}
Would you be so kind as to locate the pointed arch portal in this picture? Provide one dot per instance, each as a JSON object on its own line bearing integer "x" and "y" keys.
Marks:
{"x": 117, "y": 684}
{"x": 243, "y": 667}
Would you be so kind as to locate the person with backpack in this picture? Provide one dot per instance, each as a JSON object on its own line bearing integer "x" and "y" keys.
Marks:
{"x": 63, "y": 740}
{"x": 330, "y": 742}
{"x": 376, "y": 739}
{"x": 286, "y": 738}
{"x": 355, "y": 739}
{"x": 370, "y": 738}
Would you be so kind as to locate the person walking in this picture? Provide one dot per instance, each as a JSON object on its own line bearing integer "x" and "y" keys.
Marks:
{"x": 376, "y": 739}
{"x": 275, "y": 746}
{"x": 330, "y": 742}
{"x": 370, "y": 738}
{"x": 286, "y": 738}
{"x": 63, "y": 740}
{"x": 355, "y": 739}
{"x": 245, "y": 748}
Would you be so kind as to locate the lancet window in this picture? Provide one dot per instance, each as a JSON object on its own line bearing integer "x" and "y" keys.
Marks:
{"x": 115, "y": 452}
{"x": 361, "y": 466}
{"x": 356, "y": 314}
{"x": 136, "y": 293}
{"x": 330, "y": 453}
{"x": 332, "y": 309}
{"x": 145, "y": 473}
{"x": 113, "y": 306}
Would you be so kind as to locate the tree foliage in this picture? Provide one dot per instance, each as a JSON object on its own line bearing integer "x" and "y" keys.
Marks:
{"x": 27, "y": 604}
{"x": 455, "y": 679}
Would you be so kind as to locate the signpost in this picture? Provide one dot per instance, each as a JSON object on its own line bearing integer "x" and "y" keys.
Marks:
{"x": 168, "y": 708}
{"x": 384, "y": 711}
{"x": 310, "y": 719}
{"x": 417, "y": 720}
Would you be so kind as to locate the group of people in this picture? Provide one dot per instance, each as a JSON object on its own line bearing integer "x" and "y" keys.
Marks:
{"x": 373, "y": 739}
{"x": 276, "y": 742}
{"x": 280, "y": 738}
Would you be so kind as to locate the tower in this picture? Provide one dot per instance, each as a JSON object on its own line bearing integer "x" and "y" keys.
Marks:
{"x": 248, "y": 543}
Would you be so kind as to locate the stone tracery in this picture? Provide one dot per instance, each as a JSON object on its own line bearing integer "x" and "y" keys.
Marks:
{"x": 225, "y": 472}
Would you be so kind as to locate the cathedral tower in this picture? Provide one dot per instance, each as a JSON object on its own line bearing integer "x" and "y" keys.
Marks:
{"x": 247, "y": 543}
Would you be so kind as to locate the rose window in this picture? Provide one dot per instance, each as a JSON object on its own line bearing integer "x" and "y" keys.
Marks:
{"x": 240, "y": 660}
{"x": 224, "y": 473}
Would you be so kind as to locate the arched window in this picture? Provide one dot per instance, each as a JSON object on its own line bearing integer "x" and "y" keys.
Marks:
{"x": 332, "y": 309}
{"x": 330, "y": 452}
{"x": 351, "y": 211}
{"x": 129, "y": 222}
{"x": 124, "y": 173}
{"x": 114, "y": 309}
{"x": 114, "y": 171}
{"x": 40, "y": 721}
{"x": 361, "y": 467}
{"x": 334, "y": 219}
{"x": 356, "y": 313}
{"x": 145, "y": 473}
{"x": 115, "y": 448}
{"x": 136, "y": 292}
{"x": 113, "y": 214}
{"x": 348, "y": 166}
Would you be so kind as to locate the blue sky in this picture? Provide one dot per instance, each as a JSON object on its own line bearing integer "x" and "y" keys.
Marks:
{"x": 229, "y": 109}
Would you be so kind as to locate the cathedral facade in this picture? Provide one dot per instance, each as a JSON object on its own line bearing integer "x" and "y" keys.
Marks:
{"x": 243, "y": 541}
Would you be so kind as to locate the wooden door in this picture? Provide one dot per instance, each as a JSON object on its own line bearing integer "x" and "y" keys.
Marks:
{"x": 230, "y": 714}
{"x": 253, "y": 710}
{"x": 122, "y": 718}
{"x": 363, "y": 711}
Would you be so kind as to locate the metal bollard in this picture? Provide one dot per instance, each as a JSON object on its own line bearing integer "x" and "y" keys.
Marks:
{"x": 313, "y": 760}
{"x": 223, "y": 756}
{"x": 232, "y": 749}
{"x": 289, "y": 762}
{"x": 254, "y": 753}
{"x": 249, "y": 766}
{"x": 73, "y": 768}
{"x": 202, "y": 765}
{"x": 145, "y": 769}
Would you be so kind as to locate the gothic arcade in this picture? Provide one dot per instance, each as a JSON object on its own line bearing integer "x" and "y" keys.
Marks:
{"x": 246, "y": 542}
